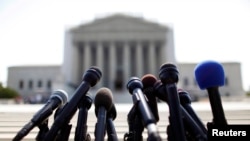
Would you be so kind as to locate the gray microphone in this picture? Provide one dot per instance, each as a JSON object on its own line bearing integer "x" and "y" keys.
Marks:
{"x": 57, "y": 99}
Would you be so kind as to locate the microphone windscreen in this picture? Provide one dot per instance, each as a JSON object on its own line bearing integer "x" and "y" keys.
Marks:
{"x": 61, "y": 94}
{"x": 148, "y": 80}
{"x": 104, "y": 98}
{"x": 209, "y": 74}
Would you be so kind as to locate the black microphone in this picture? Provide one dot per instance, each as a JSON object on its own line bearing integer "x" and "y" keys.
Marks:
{"x": 81, "y": 128}
{"x": 111, "y": 132}
{"x": 135, "y": 87}
{"x": 185, "y": 100}
{"x": 90, "y": 79}
{"x": 57, "y": 99}
{"x": 148, "y": 82}
{"x": 192, "y": 129}
{"x": 210, "y": 75}
{"x": 169, "y": 77}
{"x": 103, "y": 103}
{"x": 160, "y": 91}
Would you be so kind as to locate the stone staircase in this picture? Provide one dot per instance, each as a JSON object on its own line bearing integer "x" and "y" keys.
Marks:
{"x": 14, "y": 117}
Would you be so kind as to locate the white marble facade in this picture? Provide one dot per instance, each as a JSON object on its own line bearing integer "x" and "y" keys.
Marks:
{"x": 121, "y": 46}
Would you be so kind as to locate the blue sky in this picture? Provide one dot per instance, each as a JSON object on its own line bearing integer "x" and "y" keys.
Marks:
{"x": 32, "y": 31}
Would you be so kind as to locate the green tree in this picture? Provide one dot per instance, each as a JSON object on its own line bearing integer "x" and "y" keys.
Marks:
{"x": 7, "y": 93}
{"x": 248, "y": 93}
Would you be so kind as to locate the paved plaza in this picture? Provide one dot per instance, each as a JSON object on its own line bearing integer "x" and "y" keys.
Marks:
{"x": 14, "y": 117}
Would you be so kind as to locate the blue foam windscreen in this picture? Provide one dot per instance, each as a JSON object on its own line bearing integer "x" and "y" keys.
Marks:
{"x": 209, "y": 74}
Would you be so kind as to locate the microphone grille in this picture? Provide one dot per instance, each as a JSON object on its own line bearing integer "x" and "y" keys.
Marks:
{"x": 60, "y": 94}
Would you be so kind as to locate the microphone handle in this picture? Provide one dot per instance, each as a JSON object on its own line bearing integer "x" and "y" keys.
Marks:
{"x": 81, "y": 128}
{"x": 38, "y": 118}
{"x": 152, "y": 103}
{"x": 146, "y": 114}
{"x": 112, "y": 135}
{"x": 68, "y": 110}
{"x": 138, "y": 129}
{"x": 135, "y": 124}
{"x": 191, "y": 112}
{"x": 64, "y": 133}
{"x": 216, "y": 105}
{"x": 192, "y": 127}
{"x": 101, "y": 124}
{"x": 176, "y": 122}
{"x": 24, "y": 131}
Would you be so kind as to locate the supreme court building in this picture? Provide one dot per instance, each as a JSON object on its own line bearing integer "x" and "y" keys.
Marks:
{"x": 121, "y": 46}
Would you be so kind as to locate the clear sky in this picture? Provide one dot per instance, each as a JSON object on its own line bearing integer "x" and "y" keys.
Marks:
{"x": 32, "y": 31}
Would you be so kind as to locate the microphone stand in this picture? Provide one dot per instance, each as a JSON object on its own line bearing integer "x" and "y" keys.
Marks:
{"x": 43, "y": 129}
{"x": 81, "y": 128}
{"x": 185, "y": 101}
{"x": 100, "y": 126}
{"x": 112, "y": 136}
{"x": 135, "y": 125}
{"x": 64, "y": 132}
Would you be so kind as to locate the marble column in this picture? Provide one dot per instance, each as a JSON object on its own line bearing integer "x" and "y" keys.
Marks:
{"x": 80, "y": 61}
{"x": 152, "y": 58}
{"x": 75, "y": 63}
{"x": 112, "y": 59}
{"x": 100, "y": 61}
{"x": 127, "y": 64}
{"x": 86, "y": 56}
{"x": 139, "y": 63}
{"x": 163, "y": 54}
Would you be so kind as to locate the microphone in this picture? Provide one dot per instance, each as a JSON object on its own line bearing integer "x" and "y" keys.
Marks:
{"x": 169, "y": 77}
{"x": 185, "y": 100}
{"x": 90, "y": 79}
{"x": 160, "y": 91}
{"x": 103, "y": 103}
{"x": 192, "y": 129}
{"x": 210, "y": 76}
{"x": 81, "y": 128}
{"x": 135, "y": 87}
{"x": 148, "y": 82}
{"x": 57, "y": 99}
{"x": 111, "y": 115}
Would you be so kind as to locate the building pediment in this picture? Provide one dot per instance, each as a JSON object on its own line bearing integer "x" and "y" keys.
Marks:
{"x": 120, "y": 23}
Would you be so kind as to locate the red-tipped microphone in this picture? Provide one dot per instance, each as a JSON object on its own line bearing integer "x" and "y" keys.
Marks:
{"x": 148, "y": 82}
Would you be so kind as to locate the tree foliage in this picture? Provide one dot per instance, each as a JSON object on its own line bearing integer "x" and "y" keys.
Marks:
{"x": 7, "y": 93}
